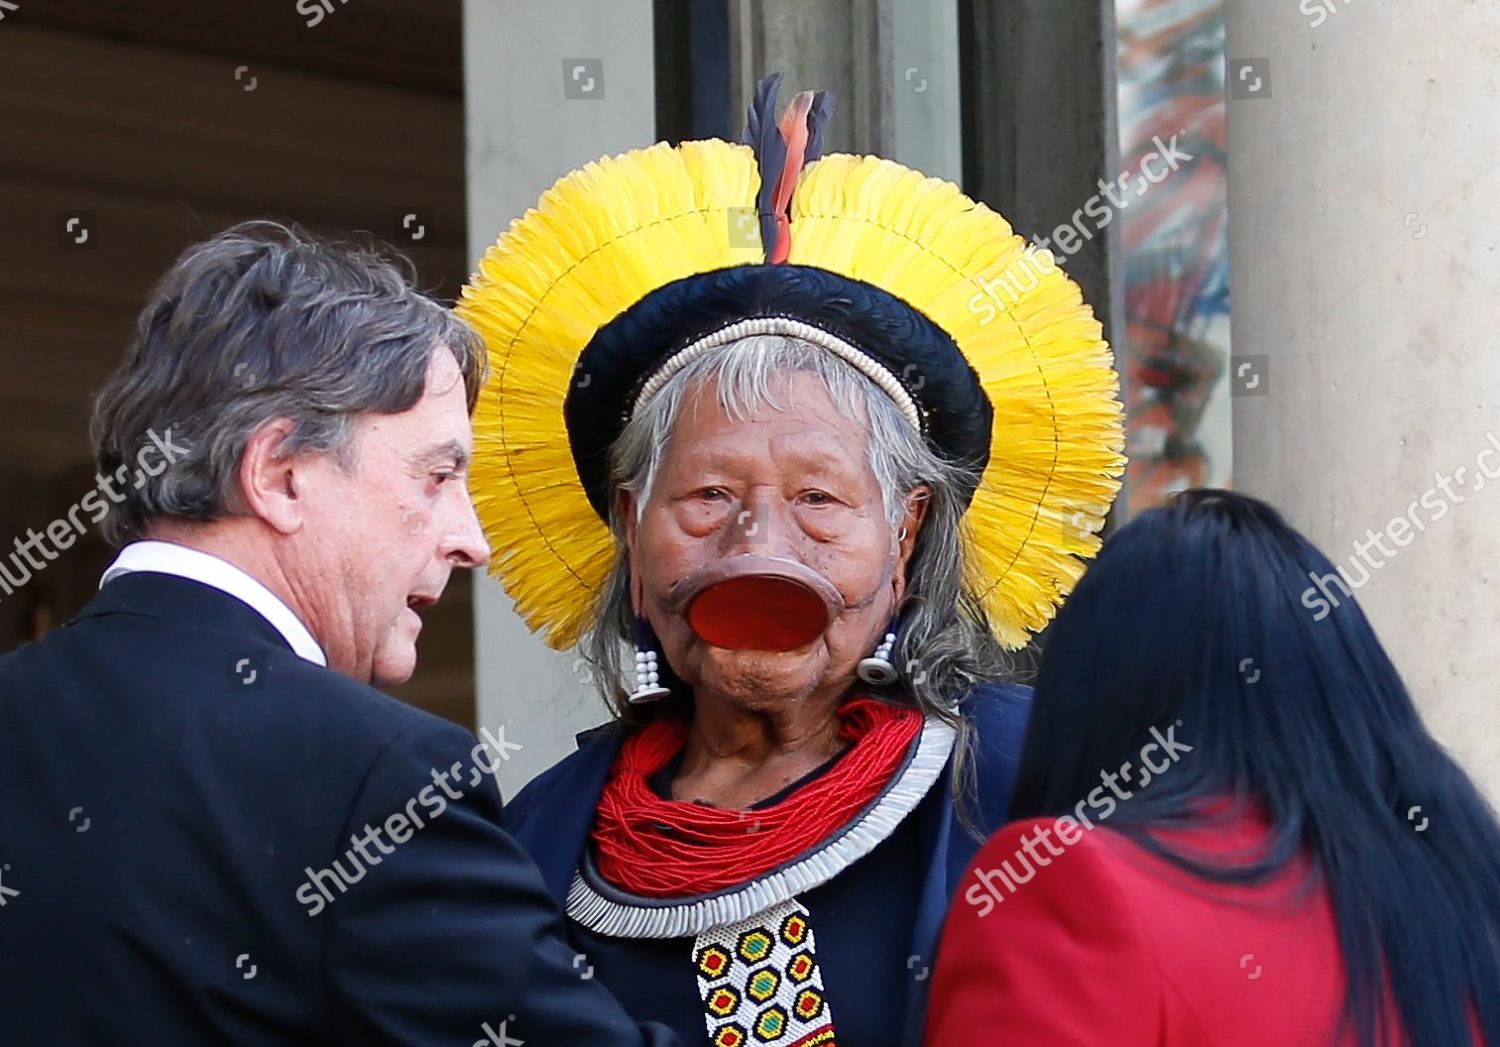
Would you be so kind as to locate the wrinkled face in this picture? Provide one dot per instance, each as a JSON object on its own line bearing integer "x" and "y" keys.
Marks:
{"x": 794, "y": 483}
{"x": 389, "y": 530}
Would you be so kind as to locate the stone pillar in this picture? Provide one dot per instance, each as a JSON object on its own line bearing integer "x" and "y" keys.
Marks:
{"x": 1363, "y": 196}
{"x": 927, "y": 87}
{"x": 842, "y": 46}
{"x": 548, "y": 87}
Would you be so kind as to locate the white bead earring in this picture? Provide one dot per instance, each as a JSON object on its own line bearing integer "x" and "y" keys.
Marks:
{"x": 648, "y": 686}
{"x": 878, "y": 669}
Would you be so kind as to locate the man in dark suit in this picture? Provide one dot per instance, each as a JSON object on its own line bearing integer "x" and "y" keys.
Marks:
{"x": 212, "y": 828}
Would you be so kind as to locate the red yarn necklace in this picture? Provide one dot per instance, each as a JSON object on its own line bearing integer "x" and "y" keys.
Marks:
{"x": 670, "y": 848}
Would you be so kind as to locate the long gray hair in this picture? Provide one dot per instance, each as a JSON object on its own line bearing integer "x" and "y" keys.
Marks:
{"x": 945, "y": 646}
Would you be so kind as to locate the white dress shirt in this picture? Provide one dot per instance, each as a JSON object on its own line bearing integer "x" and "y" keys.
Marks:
{"x": 168, "y": 558}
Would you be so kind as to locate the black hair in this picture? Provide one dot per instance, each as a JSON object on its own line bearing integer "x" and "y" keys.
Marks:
{"x": 1192, "y": 613}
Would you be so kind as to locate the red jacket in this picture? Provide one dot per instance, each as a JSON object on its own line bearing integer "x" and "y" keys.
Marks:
{"x": 1094, "y": 941}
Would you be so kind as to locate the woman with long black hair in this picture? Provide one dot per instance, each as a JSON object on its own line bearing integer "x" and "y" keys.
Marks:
{"x": 1235, "y": 827}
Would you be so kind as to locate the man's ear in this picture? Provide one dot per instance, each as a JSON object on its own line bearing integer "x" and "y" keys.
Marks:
{"x": 625, "y": 513}
{"x": 917, "y": 503}
{"x": 629, "y": 530}
{"x": 272, "y": 484}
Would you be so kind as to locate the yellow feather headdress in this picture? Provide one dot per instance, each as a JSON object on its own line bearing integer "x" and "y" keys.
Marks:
{"x": 607, "y": 236}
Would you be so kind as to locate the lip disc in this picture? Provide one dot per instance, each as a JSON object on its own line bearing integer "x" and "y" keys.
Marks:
{"x": 758, "y": 612}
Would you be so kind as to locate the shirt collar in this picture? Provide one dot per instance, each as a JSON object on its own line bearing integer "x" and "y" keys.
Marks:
{"x": 169, "y": 558}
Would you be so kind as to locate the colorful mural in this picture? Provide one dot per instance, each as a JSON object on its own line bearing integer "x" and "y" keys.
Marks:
{"x": 1175, "y": 353}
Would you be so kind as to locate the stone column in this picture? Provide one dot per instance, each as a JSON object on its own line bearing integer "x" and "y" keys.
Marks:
{"x": 547, "y": 88}
{"x": 1363, "y": 186}
{"x": 844, "y": 46}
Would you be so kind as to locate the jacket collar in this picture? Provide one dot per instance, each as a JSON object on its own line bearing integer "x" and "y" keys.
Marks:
{"x": 171, "y": 558}
{"x": 181, "y": 602}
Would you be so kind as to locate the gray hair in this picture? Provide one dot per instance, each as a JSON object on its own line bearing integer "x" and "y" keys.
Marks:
{"x": 946, "y": 646}
{"x": 264, "y": 322}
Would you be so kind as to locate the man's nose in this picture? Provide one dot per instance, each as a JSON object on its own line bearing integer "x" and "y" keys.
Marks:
{"x": 761, "y": 526}
{"x": 464, "y": 543}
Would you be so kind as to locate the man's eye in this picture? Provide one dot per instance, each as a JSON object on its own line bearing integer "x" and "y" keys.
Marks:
{"x": 817, "y": 498}
{"x": 442, "y": 478}
{"x": 711, "y": 494}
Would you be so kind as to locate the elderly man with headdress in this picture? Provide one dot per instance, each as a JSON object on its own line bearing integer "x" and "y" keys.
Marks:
{"x": 794, "y": 451}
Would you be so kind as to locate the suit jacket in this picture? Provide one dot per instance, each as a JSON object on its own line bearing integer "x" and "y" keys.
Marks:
{"x": 197, "y": 846}
{"x": 553, "y": 815}
{"x": 1107, "y": 944}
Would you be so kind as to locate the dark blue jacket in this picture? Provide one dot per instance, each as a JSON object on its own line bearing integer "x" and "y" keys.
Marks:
{"x": 170, "y": 777}
{"x": 552, "y": 816}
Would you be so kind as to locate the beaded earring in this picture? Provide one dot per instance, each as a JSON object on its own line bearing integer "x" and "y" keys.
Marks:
{"x": 878, "y": 669}
{"x": 648, "y": 686}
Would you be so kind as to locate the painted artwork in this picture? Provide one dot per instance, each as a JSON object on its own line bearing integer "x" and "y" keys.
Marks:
{"x": 1176, "y": 349}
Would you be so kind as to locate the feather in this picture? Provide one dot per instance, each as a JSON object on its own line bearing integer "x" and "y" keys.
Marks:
{"x": 611, "y": 233}
{"x": 794, "y": 131}
{"x": 1056, "y": 450}
{"x": 817, "y": 121}
{"x": 764, "y": 137}
{"x": 599, "y": 240}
